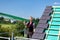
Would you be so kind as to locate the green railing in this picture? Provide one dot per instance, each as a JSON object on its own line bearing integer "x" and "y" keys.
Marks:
{"x": 14, "y": 17}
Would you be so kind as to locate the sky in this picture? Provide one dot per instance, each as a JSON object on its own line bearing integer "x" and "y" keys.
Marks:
{"x": 26, "y": 8}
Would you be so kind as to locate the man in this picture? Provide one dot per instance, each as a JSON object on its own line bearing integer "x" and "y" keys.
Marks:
{"x": 30, "y": 27}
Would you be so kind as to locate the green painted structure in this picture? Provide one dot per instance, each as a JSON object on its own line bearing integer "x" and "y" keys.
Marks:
{"x": 13, "y": 17}
{"x": 53, "y": 32}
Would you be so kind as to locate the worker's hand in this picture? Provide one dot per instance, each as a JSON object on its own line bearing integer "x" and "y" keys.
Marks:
{"x": 34, "y": 30}
{"x": 24, "y": 23}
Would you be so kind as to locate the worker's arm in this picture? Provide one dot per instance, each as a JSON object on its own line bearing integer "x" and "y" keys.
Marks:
{"x": 25, "y": 24}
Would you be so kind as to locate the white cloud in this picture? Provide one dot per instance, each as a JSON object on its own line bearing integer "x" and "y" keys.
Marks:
{"x": 56, "y": 2}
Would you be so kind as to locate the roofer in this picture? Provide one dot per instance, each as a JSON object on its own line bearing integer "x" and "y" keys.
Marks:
{"x": 30, "y": 28}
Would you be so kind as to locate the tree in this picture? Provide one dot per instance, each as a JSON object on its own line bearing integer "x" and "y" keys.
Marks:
{"x": 20, "y": 28}
{"x": 36, "y": 20}
{"x": 1, "y": 18}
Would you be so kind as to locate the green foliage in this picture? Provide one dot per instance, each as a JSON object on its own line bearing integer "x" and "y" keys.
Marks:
{"x": 2, "y": 18}
{"x": 9, "y": 28}
{"x": 17, "y": 27}
{"x": 20, "y": 25}
{"x": 36, "y": 21}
